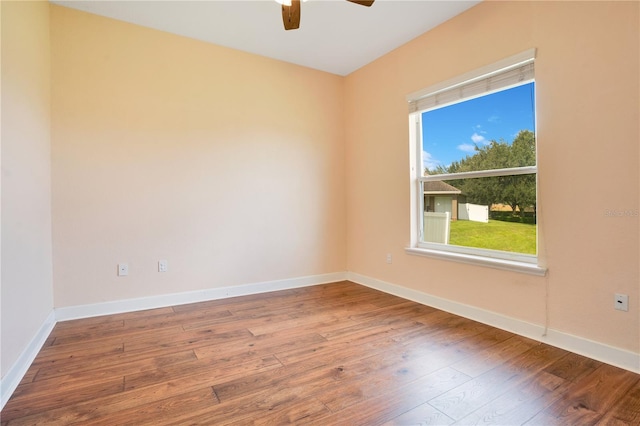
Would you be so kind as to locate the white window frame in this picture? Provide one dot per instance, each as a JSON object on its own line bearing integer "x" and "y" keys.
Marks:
{"x": 468, "y": 86}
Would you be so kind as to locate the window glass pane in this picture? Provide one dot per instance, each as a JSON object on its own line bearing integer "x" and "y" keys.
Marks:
{"x": 494, "y": 131}
{"x": 496, "y": 213}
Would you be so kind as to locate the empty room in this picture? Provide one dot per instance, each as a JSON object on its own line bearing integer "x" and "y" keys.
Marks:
{"x": 320, "y": 212}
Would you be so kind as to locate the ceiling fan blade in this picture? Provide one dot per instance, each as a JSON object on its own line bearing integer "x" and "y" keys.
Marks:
{"x": 362, "y": 2}
{"x": 291, "y": 15}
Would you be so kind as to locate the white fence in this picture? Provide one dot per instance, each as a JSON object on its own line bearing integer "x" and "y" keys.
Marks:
{"x": 473, "y": 212}
{"x": 436, "y": 227}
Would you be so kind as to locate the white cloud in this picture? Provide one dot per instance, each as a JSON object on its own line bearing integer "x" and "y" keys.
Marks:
{"x": 476, "y": 138}
{"x": 493, "y": 119}
{"x": 467, "y": 147}
{"x": 428, "y": 161}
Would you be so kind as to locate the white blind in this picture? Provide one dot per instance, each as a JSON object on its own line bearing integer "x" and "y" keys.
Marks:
{"x": 512, "y": 75}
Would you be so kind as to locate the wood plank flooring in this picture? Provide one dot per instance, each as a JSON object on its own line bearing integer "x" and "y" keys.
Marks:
{"x": 335, "y": 354}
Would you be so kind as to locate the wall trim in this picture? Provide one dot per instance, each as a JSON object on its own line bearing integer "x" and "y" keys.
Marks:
{"x": 599, "y": 351}
{"x": 15, "y": 374}
{"x": 164, "y": 300}
{"x": 10, "y": 381}
{"x": 608, "y": 354}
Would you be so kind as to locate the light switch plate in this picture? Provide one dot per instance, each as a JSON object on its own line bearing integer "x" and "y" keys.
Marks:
{"x": 123, "y": 269}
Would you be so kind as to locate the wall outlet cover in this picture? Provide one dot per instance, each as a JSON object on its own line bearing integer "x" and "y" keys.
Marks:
{"x": 621, "y": 302}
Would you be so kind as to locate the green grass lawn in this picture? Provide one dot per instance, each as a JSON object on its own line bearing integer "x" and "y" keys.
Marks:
{"x": 495, "y": 235}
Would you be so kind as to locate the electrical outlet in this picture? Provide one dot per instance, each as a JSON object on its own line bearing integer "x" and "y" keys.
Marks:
{"x": 389, "y": 258}
{"x": 123, "y": 269}
{"x": 163, "y": 266}
{"x": 621, "y": 302}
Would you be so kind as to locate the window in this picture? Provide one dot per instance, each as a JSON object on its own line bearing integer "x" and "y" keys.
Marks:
{"x": 474, "y": 168}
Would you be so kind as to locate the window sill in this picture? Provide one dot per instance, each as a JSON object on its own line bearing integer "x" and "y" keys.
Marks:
{"x": 508, "y": 265}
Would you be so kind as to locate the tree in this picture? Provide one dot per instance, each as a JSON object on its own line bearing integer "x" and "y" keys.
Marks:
{"x": 516, "y": 191}
{"x": 522, "y": 190}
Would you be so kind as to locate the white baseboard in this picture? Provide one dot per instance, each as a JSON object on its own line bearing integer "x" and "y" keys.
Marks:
{"x": 15, "y": 374}
{"x": 599, "y": 351}
{"x": 10, "y": 381}
{"x": 161, "y": 301}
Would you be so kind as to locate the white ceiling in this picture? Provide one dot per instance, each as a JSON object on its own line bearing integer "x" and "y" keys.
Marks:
{"x": 334, "y": 36}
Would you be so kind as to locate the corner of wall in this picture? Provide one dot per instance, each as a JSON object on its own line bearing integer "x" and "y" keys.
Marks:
{"x": 26, "y": 232}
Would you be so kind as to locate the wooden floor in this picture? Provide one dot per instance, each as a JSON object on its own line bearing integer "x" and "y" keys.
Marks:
{"x": 337, "y": 354}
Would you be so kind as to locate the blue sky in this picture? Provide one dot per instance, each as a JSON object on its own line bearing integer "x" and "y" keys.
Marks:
{"x": 452, "y": 132}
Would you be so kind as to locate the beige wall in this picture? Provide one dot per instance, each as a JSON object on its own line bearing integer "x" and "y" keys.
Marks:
{"x": 228, "y": 165}
{"x": 27, "y": 292}
{"x": 588, "y": 137}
